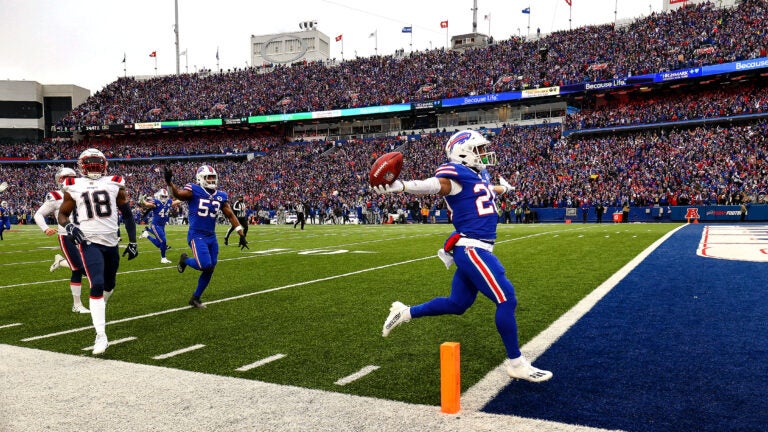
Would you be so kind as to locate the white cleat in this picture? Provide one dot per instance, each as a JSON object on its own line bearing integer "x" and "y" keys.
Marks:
{"x": 398, "y": 314}
{"x": 101, "y": 344}
{"x": 144, "y": 234}
{"x": 56, "y": 262}
{"x": 80, "y": 309}
{"x": 525, "y": 371}
{"x": 165, "y": 261}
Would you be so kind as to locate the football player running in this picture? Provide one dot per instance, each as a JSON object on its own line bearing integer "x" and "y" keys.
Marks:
{"x": 160, "y": 206}
{"x": 465, "y": 184}
{"x": 5, "y": 217}
{"x": 71, "y": 259}
{"x": 205, "y": 202}
{"x": 95, "y": 199}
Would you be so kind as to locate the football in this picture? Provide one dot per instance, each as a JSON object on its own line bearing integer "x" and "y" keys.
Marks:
{"x": 386, "y": 169}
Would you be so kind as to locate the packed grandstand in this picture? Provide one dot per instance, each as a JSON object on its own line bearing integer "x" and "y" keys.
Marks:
{"x": 685, "y": 141}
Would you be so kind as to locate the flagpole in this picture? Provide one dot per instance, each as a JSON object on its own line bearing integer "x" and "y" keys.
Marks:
{"x": 176, "y": 31}
{"x": 376, "y": 42}
{"x": 155, "y": 64}
{"x": 125, "y": 73}
{"x": 186, "y": 60}
{"x": 411, "y": 45}
{"x": 342, "y": 48}
{"x": 570, "y": 15}
{"x": 529, "y": 23}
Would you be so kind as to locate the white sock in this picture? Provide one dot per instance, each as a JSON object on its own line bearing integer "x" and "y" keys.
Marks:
{"x": 516, "y": 361}
{"x": 107, "y": 295}
{"x": 98, "y": 315}
{"x": 64, "y": 263}
{"x": 76, "y": 289}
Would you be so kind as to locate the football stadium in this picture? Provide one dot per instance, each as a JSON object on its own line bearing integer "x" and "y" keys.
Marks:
{"x": 254, "y": 248}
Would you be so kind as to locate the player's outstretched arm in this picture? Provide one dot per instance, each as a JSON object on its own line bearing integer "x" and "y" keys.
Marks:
{"x": 430, "y": 186}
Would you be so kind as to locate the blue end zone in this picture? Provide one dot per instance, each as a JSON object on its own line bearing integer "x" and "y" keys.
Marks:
{"x": 681, "y": 344}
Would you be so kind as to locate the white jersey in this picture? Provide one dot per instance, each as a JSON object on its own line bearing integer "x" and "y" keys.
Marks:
{"x": 50, "y": 206}
{"x": 96, "y": 207}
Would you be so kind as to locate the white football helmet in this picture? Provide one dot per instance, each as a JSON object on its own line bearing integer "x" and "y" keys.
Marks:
{"x": 63, "y": 173}
{"x": 4, "y": 204}
{"x": 162, "y": 194}
{"x": 92, "y": 164}
{"x": 206, "y": 177}
{"x": 468, "y": 148}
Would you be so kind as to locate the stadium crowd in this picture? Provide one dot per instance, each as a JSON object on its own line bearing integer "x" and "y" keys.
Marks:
{"x": 704, "y": 165}
{"x": 694, "y": 35}
{"x": 687, "y": 104}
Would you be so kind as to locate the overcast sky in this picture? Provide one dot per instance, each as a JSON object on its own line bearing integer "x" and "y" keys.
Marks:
{"x": 83, "y": 42}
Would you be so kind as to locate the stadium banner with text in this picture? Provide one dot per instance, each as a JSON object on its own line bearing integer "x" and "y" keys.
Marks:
{"x": 712, "y": 213}
{"x": 481, "y": 99}
{"x": 190, "y": 123}
{"x": 419, "y": 106}
{"x": 235, "y": 121}
{"x": 147, "y": 126}
{"x": 347, "y": 112}
{"x": 743, "y": 65}
{"x": 540, "y": 92}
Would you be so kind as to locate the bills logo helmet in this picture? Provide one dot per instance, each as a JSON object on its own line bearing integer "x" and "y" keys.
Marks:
{"x": 469, "y": 148}
{"x": 206, "y": 177}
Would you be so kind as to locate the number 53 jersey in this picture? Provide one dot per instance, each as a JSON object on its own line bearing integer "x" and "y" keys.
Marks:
{"x": 96, "y": 210}
{"x": 204, "y": 207}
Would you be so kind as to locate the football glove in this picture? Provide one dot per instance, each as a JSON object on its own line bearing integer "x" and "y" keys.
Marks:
{"x": 505, "y": 184}
{"x": 395, "y": 186}
{"x": 243, "y": 243}
{"x": 168, "y": 175}
{"x": 132, "y": 250}
{"x": 75, "y": 234}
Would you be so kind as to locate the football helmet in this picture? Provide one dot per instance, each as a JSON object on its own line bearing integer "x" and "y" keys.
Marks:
{"x": 469, "y": 148}
{"x": 63, "y": 173}
{"x": 4, "y": 204}
{"x": 162, "y": 194}
{"x": 206, "y": 177}
{"x": 92, "y": 164}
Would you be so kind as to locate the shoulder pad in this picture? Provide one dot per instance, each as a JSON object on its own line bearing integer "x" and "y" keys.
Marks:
{"x": 53, "y": 196}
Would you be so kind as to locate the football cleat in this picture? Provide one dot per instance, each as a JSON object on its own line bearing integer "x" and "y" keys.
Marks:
{"x": 226, "y": 241}
{"x": 196, "y": 303}
{"x": 165, "y": 261}
{"x": 398, "y": 314}
{"x": 57, "y": 262}
{"x": 144, "y": 234}
{"x": 101, "y": 344}
{"x": 525, "y": 371}
{"x": 182, "y": 262}
{"x": 80, "y": 309}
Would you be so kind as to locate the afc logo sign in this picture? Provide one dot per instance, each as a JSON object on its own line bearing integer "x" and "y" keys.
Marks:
{"x": 692, "y": 213}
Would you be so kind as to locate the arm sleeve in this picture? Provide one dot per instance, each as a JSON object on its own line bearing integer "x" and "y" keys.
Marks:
{"x": 40, "y": 216}
{"x": 422, "y": 187}
{"x": 130, "y": 224}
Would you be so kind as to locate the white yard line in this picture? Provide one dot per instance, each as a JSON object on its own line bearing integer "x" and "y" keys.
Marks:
{"x": 357, "y": 375}
{"x": 261, "y": 362}
{"x": 178, "y": 352}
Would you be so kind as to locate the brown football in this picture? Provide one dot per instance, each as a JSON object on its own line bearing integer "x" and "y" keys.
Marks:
{"x": 386, "y": 169}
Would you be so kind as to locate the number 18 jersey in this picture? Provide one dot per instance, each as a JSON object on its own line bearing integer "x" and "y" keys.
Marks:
{"x": 96, "y": 206}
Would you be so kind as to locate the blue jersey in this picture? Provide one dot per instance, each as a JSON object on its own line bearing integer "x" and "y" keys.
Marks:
{"x": 4, "y": 214}
{"x": 161, "y": 212}
{"x": 203, "y": 210}
{"x": 473, "y": 210}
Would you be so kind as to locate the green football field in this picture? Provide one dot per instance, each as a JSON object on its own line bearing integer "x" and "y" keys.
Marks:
{"x": 306, "y": 308}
